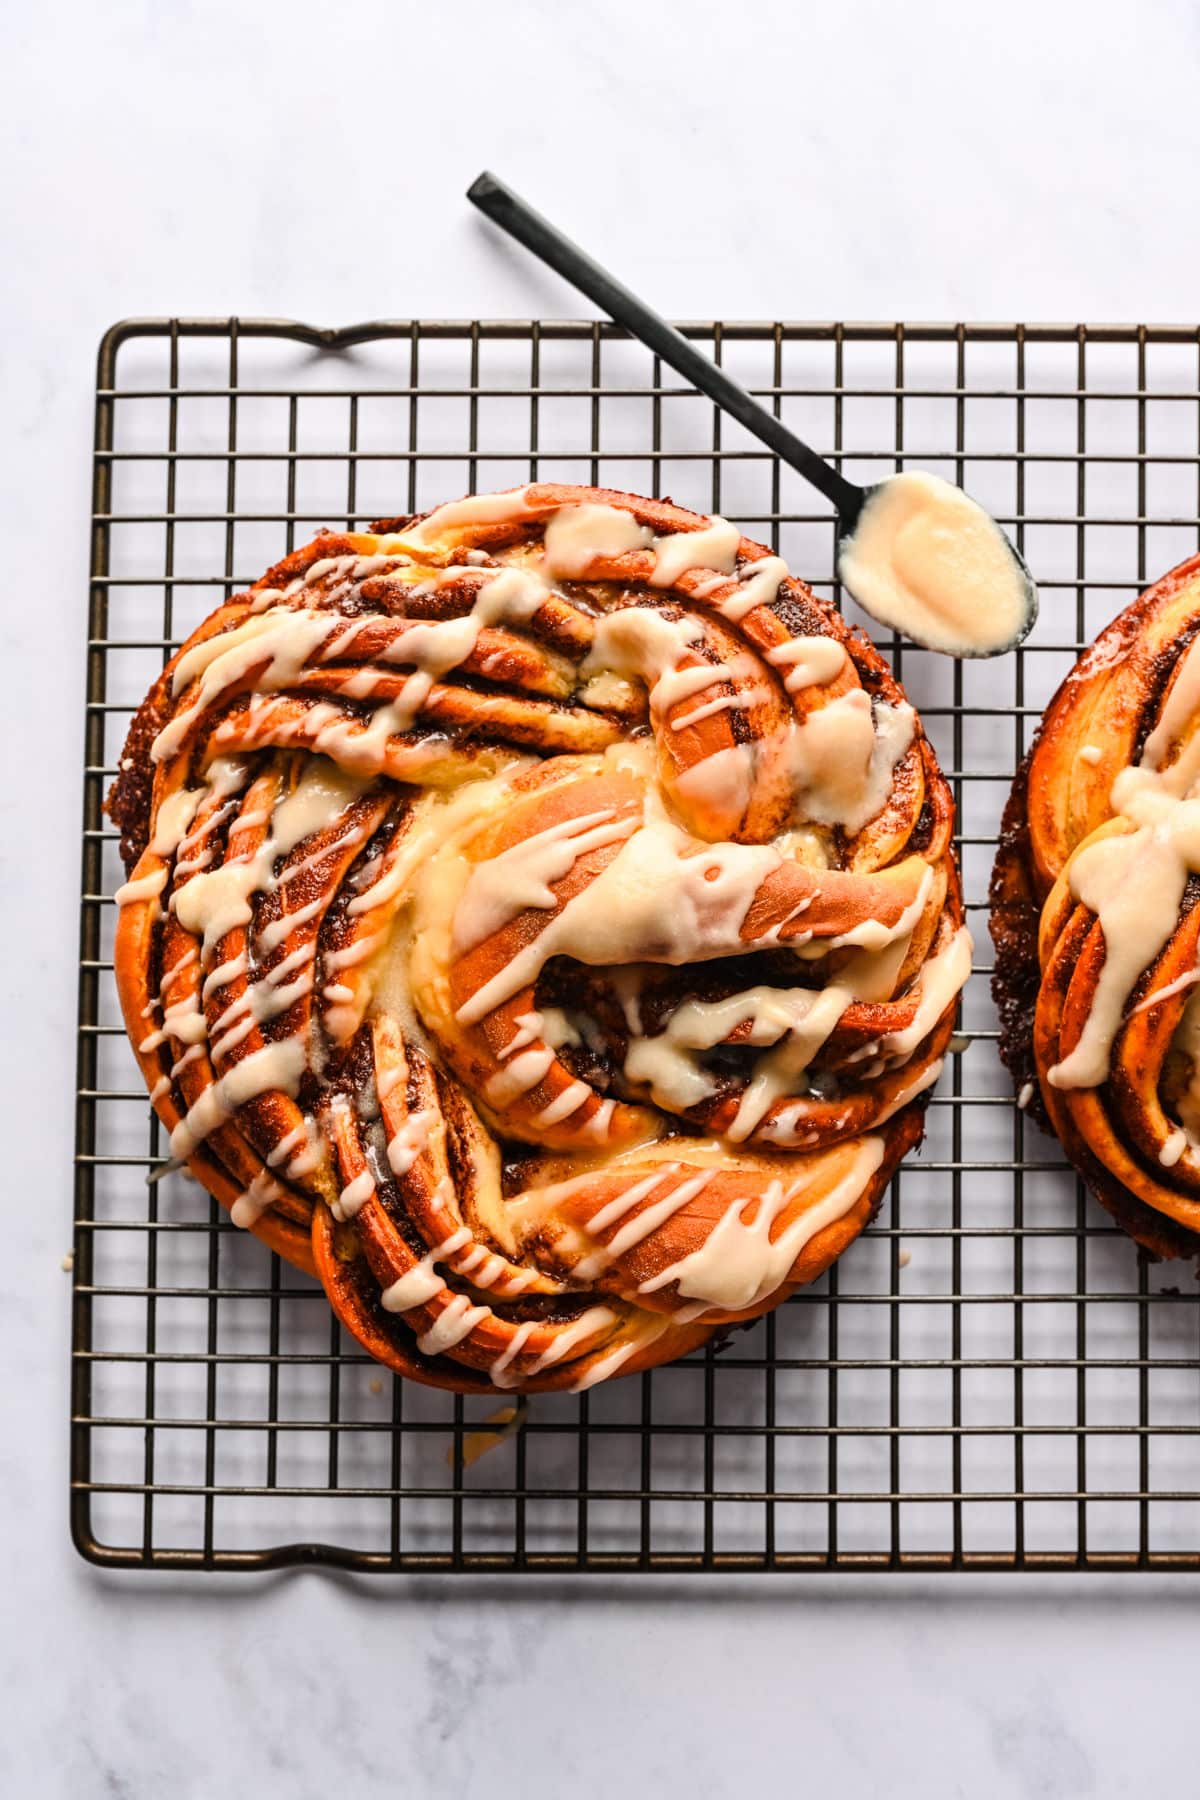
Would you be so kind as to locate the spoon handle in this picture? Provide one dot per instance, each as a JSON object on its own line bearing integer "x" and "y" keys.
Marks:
{"x": 508, "y": 210}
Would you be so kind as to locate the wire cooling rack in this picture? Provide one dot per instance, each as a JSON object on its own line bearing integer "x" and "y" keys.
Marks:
{"x": 993, "y": 1377}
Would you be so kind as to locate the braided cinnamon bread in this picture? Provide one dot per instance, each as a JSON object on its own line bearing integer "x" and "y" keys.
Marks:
{"x": 1096, "y": 917}
{"x": 542, "y": 925}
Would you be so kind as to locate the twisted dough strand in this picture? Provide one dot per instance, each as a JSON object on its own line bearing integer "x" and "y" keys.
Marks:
{"x": 1096, "y": 917}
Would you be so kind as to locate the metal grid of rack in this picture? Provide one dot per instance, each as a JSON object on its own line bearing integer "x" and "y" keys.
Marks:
{"x": 993, "y": 1377}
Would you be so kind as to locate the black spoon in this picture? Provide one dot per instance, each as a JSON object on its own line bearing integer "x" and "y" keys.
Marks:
{"x": 515, "y": 216}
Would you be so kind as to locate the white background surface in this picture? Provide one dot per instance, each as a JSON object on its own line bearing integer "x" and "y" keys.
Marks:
{"x": 861, "y": 161}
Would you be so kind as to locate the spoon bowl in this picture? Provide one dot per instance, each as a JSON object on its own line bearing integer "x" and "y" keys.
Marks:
{"x": 926, "y": 560}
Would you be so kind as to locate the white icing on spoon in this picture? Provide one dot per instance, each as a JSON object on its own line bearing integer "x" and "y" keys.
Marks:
{"x": 928, "y": 561}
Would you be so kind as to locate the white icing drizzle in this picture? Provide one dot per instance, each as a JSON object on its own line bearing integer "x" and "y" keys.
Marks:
{"x": 276, "y": 931}
{"x": 519, "y": 1074}
{"x": 434, "y": 648}
{"x": 1175, "y": 720}
{"x": 366, "y": 566}
{"x": 714, "y": 546}
{"x": 183, "y": 961}
{"x": 326, "y": 566}
{"x": 809, "y": 661}
{"x": 1090, "y": 753}
{"x": 738, "y": 1265}
{"x": 871, "y": 934}
{"x": 347, "y": 840}
{"x": 650, "y": 903}
{"x": 598, "y": 1126}
{"x": 410, "y": 1141}
{"x": 617, "y": 1208}
{"x": 639, "y": 641}
{"x": 1134, "y": 880}
{"x": 486, "y": 1268}
{"x": 190, "y": 865}
{"x": 1025, "y": 1095}
{"x": 191, "y": 1055}
{"x": 387, "y": 1080}
{"x": 844, "y": 755}
{"x": 173, "y": 818}
{"x": 579, "y": 535}
{"x": 910, "y": 1090}
{"x": 520, "y": 877}
{"x": 725, "y": 780}
{"x": 213, "y": 905}
{"x": 286, "y": 1145}
{"x": 1174, "y": 1145}
{"x": 637, "y": 1229}
{"x": 399, "y": 864}
{"x": 741, "y": 701}
{"x": 608, "y": 1365}
{"x": 456, "y": 1321}
{"x": 596, "y": 1318}
{"x": 276, "y": 1066}
{"x": 1134, "y": 883}
{"x": 568, "y": 1102}
{"x": 534, "y": 1025}
{"x": 776, "y": 1074}
{"x": 354, "y": 1196}
{"x": 282, "y": 640}
{"x": 263, "y": 1193}
{"x": 262, "y": 1000}
{"x": 627, "y": 985}
{"x": 144, "y": 887}
{"x": 608, "y": 691}
{"x": 799, "y": 1021}
{"x": 224, "y": 973}
{"x": 421, "y": 1283}
{"x": 512, "y": 1349}
{"x": 760, "y": 585}
{"x": 943, "y": 976}
{"x": 575, "y": 534}
{"x": 476, "y": 509}
{"x": 675, "y": 1078}
{"x": 355, "y": 952}
{"x": 1178, "y": 986}
{"x": 184, "y": 1021}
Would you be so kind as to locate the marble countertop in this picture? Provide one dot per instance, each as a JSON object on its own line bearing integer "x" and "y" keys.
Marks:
{"x": 860, "y": 161}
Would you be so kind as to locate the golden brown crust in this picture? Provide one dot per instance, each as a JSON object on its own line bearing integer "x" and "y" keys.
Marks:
{"x": 404, "y": 1145}
{"x": 1014, "y": 916}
